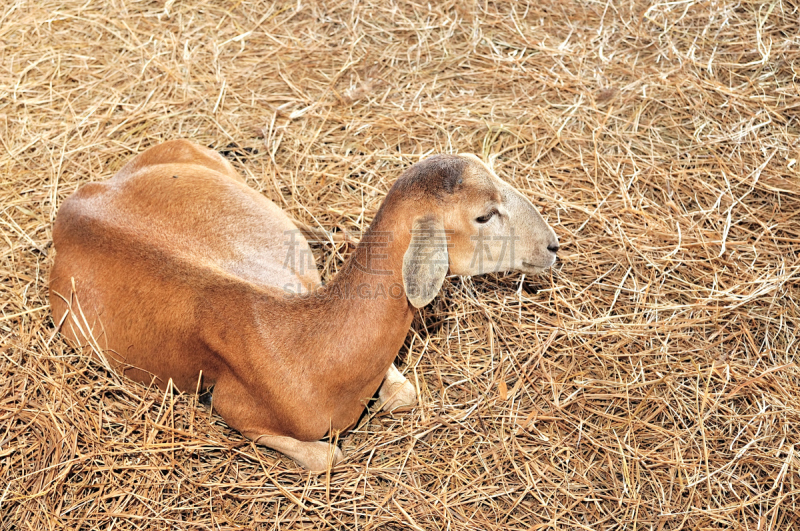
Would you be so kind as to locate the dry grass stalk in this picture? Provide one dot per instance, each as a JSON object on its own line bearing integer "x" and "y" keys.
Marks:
{"x": 650, "y": 382}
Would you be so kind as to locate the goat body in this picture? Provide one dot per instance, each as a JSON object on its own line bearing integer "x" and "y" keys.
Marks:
{"x": 175, "y": 267}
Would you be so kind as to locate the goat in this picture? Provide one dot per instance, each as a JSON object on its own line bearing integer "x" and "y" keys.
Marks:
{"x": 175, "y": 268}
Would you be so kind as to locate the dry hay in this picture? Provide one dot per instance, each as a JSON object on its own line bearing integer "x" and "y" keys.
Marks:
{"x": 648, "y": 382}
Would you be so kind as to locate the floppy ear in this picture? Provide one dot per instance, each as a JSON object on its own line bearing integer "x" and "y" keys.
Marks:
{"x": 426, "y": 261}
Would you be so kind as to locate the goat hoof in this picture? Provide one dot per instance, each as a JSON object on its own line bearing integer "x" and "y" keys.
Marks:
{"x": 318, "y": 457}
{"x": 400, "y": 395}
{"x": 314, "y": 456}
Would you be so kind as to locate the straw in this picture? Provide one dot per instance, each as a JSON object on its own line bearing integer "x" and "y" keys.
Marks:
{"x": 649, "y": 381}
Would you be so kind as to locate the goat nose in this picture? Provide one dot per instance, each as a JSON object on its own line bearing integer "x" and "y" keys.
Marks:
{"x": 553, "y": 248}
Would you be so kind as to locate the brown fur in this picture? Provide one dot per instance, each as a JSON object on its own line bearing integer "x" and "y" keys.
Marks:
{"x": 179, "y": 267}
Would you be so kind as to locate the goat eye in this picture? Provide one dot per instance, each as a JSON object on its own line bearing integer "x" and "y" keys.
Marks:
{"x": 487, "y": 217}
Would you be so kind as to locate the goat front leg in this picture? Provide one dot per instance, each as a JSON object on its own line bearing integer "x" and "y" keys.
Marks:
{"x": 396, "y": 391}
{"x": 245, "y": 413}
{"x": 315, "y": 456}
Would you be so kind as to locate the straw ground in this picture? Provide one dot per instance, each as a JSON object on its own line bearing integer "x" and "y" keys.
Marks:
{"x": 648, "y": 382}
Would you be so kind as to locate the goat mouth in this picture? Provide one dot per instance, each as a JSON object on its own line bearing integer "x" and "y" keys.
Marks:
{"x": 532, "y": 268}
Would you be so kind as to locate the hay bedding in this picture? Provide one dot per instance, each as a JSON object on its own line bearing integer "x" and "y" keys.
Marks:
{"x": 649, "y": 382}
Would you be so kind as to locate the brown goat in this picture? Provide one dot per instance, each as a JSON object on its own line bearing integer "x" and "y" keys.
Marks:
{"x": 174, "y": 266}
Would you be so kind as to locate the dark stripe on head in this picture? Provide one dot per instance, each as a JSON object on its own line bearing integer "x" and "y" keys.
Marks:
{"x": 435, "y": 176}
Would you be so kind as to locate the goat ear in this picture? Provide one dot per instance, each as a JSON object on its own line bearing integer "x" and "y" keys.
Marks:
{"x": 426, "y": 261}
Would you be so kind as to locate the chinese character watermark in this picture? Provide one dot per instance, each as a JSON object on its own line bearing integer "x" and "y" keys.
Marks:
{"x": 492, "y": 252}
{"x": 484, "y": 246}
{"x": 299, "y": 257}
